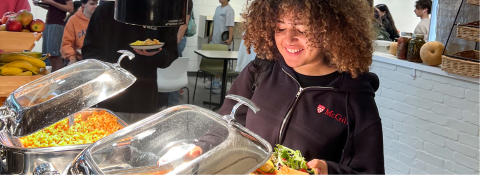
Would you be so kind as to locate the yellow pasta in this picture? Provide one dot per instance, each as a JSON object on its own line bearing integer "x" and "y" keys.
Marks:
{"x": 97, "y": 126}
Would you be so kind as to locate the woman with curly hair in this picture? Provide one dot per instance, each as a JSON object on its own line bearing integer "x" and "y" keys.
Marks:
{"x": 316, "y": 94}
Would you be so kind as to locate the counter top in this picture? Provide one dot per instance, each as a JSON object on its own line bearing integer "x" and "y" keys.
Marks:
{"x": 388, "y": 58}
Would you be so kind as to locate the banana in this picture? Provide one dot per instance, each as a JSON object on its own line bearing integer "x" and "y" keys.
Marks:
{"x": 32, "y": 54}
{"x": 24, "y": 65}
{"x": 32, "y": 60}
{"x": 45, "y": 57}
{"x": 10, "y": 71}
{"x": 27, "y": 73}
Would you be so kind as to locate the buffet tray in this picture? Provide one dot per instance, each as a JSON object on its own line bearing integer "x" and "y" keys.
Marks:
{"x": 20, "y": 160}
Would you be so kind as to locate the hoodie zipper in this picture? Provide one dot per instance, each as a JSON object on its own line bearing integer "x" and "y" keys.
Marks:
{"x": 300, "y": 90}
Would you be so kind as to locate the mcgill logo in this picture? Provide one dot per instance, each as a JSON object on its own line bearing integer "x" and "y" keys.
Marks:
{"x": 331, "y": 114}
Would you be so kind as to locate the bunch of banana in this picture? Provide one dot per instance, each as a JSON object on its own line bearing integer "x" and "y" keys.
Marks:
{"x": 21, "y": 63}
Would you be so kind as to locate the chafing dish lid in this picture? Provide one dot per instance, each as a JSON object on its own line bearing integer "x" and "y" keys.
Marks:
{"x": 157, "y": 145}
{"x": 57, "y": 95}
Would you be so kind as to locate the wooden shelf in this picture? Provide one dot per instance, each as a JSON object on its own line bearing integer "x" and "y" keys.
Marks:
{"x": 18, "y": 41}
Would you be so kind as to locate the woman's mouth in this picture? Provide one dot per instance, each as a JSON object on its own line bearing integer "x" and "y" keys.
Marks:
{"x": 293, "y": 51}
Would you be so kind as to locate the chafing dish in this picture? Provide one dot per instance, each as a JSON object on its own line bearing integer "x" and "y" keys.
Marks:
{"x": 50, "y": 99}
{"x": 169, "y": 135}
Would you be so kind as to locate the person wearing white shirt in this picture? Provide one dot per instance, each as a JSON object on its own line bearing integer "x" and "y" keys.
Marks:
{"x": 423, "y": 10}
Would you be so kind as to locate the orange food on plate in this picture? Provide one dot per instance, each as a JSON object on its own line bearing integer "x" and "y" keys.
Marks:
{"x": 86, "y": 130}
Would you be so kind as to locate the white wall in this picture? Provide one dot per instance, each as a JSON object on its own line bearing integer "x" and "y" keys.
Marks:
{"x": 430, "y": 123}
{"x": 402, "y": 13}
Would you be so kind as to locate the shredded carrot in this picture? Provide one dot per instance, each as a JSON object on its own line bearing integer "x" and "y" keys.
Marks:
{"x": 96, "y": 126}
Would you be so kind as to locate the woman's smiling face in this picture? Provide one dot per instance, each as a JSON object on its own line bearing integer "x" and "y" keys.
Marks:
{"x": 293, "y": 44}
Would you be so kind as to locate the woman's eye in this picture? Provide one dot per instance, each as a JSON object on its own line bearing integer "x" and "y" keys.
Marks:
{"x": 281, "y": 30}
{"x": 299, "y": 31}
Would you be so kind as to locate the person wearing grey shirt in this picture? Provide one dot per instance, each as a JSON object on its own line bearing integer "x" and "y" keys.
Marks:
{"x": 223, "y": 20}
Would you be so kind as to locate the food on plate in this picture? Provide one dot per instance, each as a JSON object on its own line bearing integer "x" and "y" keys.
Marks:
{"x": 146, "y": 42}
{"x": 87, "y": 129}
{"x": 285, "y": 161}
{"x": 431, "y": 53}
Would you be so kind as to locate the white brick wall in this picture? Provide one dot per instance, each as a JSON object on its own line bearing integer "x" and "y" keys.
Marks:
{"x": 430, "y": 123}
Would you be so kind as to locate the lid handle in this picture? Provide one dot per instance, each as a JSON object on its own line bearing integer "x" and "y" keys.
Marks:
{"x": 125, "y": 53}
{"x": 241, "y": 101}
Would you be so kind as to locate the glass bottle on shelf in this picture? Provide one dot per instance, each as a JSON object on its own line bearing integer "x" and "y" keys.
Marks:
{"x": 402, "y": 46}
{"x": 414, "y": 46}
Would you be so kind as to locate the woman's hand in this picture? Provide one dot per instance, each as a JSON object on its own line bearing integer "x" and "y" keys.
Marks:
{"x": 318, "y": 165}
{"x": 145, "y": 53}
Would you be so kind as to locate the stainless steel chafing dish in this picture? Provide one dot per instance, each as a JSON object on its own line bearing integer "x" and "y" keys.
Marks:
{"x": 50, "y": 99}
{"x": 20, "y": 160}
{"x": 159, "y": 143}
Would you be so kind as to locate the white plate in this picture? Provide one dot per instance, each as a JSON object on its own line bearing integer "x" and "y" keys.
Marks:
{"x": 146, "y": 47}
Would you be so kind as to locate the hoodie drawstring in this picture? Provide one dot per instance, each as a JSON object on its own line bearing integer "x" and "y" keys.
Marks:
{"x": 348, "y": 129}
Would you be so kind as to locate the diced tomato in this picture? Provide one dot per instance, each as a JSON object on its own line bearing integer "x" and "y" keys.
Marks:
{"x": 284, "y": 159}
{"x": 303, "y": 170}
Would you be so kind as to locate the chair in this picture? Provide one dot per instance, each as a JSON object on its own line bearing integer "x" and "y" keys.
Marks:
{"x": 174, "y": 77}
{"x": 212, "y": 67}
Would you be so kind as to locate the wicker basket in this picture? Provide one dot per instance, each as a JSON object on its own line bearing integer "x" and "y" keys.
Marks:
{"x": 462, "y": 63}
{"x": 469, "y": 31}
{"x": 474, "y": 2}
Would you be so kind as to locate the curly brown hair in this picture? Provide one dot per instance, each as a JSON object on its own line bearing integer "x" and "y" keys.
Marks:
{"x": 341, "y": 29}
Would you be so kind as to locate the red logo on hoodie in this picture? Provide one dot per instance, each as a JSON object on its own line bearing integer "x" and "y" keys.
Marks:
{"x": 332, "y": 114}
{"x": 320, "y": 108}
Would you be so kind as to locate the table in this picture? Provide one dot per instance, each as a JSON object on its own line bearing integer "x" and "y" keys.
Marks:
{"x": 220, "y": 55}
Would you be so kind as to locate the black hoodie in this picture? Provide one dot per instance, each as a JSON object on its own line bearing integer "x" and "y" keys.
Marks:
{"x": 315, "y": 120}
{"x": 105, "y": 36}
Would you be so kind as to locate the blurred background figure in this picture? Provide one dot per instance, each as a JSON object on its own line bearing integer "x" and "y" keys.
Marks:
{"x": 13, "y": 6}
{"x": 387, "y": 21}
{"x": 380, "y": 32}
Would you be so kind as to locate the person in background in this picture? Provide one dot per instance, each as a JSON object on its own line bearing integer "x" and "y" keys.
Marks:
{"x": 422, "y": 10}
{"x": 223, "y": 20}
{"x": 244, "y": 58}
{"x": 105, "y": 36}
{"x": 387, "y": 21}
{"x": 316, "y": 94}
{"x": 173, "y": 97}
{"x": 13, "y": 6}
{"x": 53, "y": 33}
{"x": 75, "y": 31}
{"x": 76, "y": 5}
{"x": 382, "y": 34}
